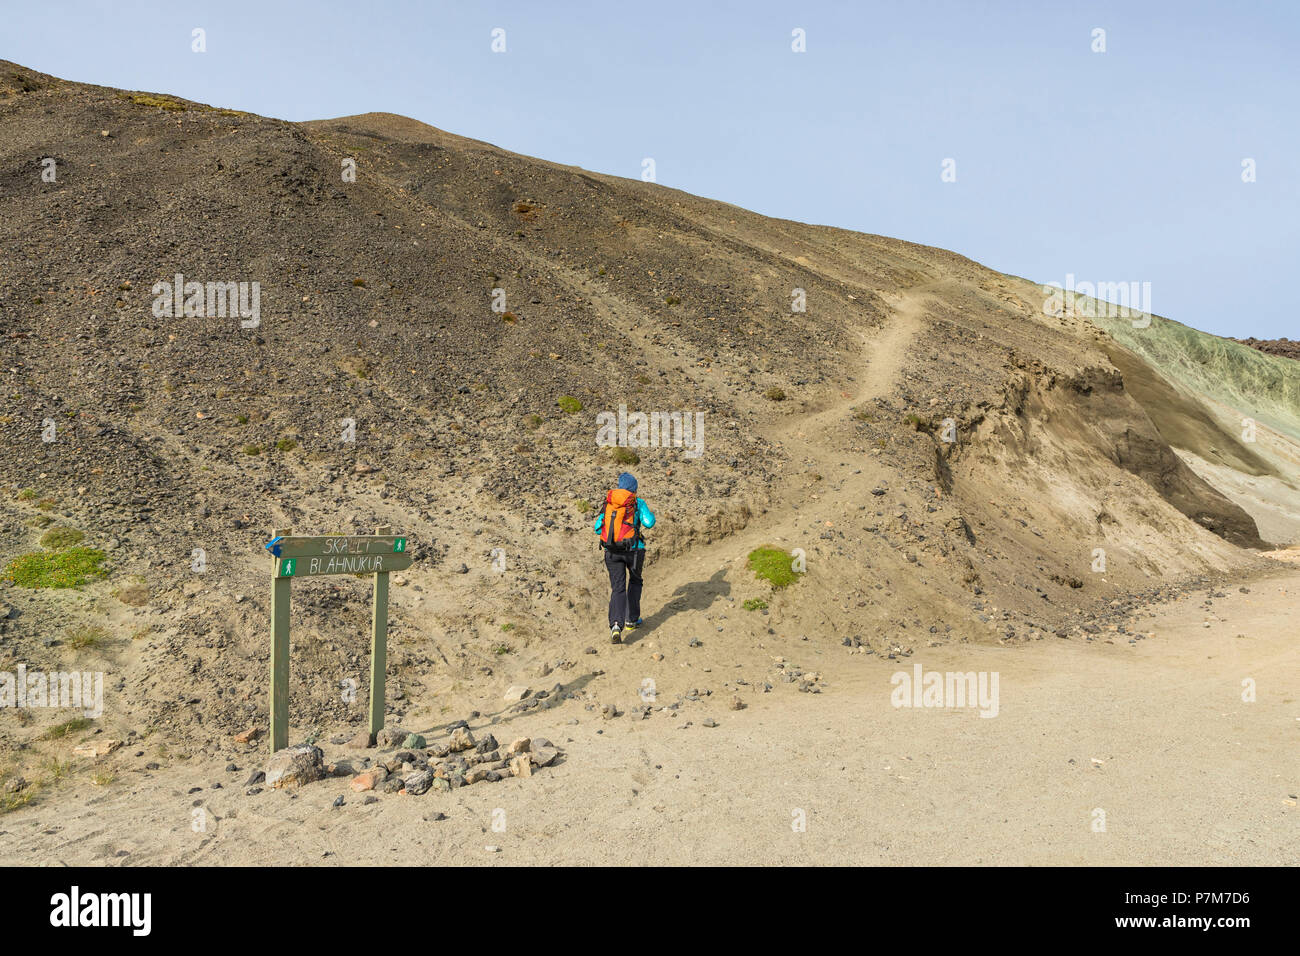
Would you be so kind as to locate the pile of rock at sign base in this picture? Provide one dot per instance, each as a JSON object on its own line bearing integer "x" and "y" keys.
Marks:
{"x": 414, "y": 766}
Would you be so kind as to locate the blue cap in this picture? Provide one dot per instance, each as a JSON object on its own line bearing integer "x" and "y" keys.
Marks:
{"x": 627, "y": 482}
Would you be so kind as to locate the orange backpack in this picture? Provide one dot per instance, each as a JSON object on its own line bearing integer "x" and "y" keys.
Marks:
{"x": 620, "y": 532}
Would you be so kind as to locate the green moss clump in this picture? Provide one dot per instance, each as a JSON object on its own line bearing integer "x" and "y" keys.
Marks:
{"x": 774, "y": 566}
{"x": 161, "y": 102}
{"x": 56, "y": 569}
{"x": 60, "y": 537}
{"x": 569, "y": 405}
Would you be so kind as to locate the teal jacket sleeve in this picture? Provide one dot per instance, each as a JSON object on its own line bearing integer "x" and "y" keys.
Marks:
{"x": 600, "y": 520}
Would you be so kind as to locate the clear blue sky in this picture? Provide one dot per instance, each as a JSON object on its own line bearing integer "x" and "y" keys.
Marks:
{"x": 1116, "y": 166}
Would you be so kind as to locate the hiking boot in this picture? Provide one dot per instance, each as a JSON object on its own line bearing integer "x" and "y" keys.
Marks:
{"x": 632, "y": 625}
{"x": 615, "y": 635}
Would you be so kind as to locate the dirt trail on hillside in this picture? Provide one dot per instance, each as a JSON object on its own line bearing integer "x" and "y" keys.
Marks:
{"x": 1155, "y": 735}
{"x": 812, "y": 443}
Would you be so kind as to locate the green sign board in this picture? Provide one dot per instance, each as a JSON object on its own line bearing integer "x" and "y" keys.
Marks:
{"x": 312, "y": 565}
{"x": 300, "y": 557}
{"x": 303, "y": 546}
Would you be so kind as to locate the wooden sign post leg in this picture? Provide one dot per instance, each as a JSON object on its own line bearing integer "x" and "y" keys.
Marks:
{"x": 378, "y": 650}
{"x": 279, "y": 736}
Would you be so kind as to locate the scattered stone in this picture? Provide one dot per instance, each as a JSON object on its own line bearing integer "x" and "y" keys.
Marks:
{"x": 418, "y": 782}
{"x": 709, "y": 722}
{"x": 295, "y": 766}
{"x": 248, "y": 736}
{"x": 94, "y": 749}
{"x": 362, "y": 741}
{"x": 736, "y": 703}
{"x": 542, "y": 756}
{"x": 521, "y": 766}
{"x": 516, "y": 693}
{"x": 461, "y": 739}
{"x": 519, "y": 745}
{"x": 413, "y": 741}
{"x": 369, "y": 779}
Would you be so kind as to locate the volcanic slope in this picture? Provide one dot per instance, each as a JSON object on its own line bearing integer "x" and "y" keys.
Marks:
{"x": 380, "y": 388}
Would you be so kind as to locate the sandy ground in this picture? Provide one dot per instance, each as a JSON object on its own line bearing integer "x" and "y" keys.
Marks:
{"x": 1155, "y": 734}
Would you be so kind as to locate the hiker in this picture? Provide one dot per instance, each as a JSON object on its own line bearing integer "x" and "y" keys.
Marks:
{"x": 619, "y": 527}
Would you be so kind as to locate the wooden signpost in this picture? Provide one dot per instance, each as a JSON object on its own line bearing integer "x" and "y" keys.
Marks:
{"x": 300, "y": 557}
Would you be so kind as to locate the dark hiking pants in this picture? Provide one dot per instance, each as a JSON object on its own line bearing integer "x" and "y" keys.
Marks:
{"x": 624, "y": 585}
